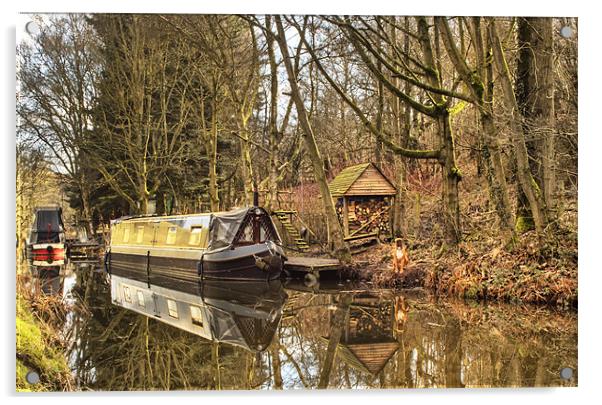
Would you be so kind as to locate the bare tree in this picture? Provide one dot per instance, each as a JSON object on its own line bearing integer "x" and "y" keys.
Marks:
{"x": 364, "y": 34}
{"x": 336, "y": 233}
{"x": 58, "y": 74}
{"x": 479, "y": 81}
{"x": 535, "y": 88}
{"x": 527, "y": 182}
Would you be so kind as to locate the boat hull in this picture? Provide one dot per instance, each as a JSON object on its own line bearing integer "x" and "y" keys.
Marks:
{"x": 262, "y": 261}
{"x": 245, "y": 263}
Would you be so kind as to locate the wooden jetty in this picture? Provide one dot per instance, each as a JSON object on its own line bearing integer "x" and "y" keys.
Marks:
{"x": 311, "y": 267}
{"x": 82, "y": 251}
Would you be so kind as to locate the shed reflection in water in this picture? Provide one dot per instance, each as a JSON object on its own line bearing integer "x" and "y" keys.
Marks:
{"x": 274, "y": 336}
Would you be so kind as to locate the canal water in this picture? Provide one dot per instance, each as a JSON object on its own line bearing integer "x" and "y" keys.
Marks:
{"x": 129, "y": 333}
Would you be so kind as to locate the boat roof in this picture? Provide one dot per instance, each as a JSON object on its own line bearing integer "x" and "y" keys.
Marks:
{"x": 154, "y": 218}
{"x": 157, "y": 218}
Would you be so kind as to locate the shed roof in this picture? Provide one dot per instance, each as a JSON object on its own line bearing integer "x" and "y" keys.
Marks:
{"x": 369, "y": 358}
{"x": 363, "y": 179}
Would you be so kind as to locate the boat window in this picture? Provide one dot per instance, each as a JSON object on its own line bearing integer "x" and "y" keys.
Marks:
{"x": 247, "y": 235}
{"x": 172, "y": 306}
{"x": 140, "y": 234}
{"x": 140, "y": 298}
{"x": 266, "y": 230}
{"x": 195, "y": 235}
{"x": 263, "y": 234}
{"x": 196, "y": 315}
{"x": 171, "y": 235}
{"x": 126, "y": 233}
{"x": 126, "y": 294}
{"x": 48, "y": 220}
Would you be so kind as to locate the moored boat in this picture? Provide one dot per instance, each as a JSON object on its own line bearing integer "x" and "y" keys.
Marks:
{"x": 242, "y": 244}
{"x": 46, "y": 243}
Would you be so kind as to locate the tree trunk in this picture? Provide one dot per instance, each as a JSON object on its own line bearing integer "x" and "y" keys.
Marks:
{"x": 272, "y": 194}
{"x": 339, "y": 319}
{"x": 447, "y": 159}
{"x": 499, "y": 186}
{"x": 496, "y": 178}
{"x": 399, "y": 205}
{"x": 142, "y": 196}
{"x": 494, "y": 163}
{"x": 247, "y": 168}
{"x": 451, "y": 177}
{"x": 480, "y": 84}
{"x": 528, "y": 184}
{"x": 378, "y": 150}
{"x": 403, "y": 126}
{"x": 86, "y": 211}
{"x": 535, "y": 97}
{"x": 341, "y": 250}
{"x": 212, "y": 152}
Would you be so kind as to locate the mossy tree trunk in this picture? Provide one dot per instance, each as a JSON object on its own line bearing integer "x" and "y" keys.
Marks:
{"x": 451, "y": 178}
{"x": 403, "y": 126}
{"x": 447, "y": 159}
{"x": 534, "y": 86}
{"x": 526, "y": 180}
{"x": 479, "y": 81}
{"x": 272, "y": 186}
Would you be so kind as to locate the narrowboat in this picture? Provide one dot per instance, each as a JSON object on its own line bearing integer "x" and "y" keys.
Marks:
{"x": 243, "y": 314}
{"x": 242, "y": 244}
{"x": 46, "y": 243}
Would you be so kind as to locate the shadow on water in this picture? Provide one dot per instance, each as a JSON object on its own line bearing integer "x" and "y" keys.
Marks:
{"x": 135, "y": 333}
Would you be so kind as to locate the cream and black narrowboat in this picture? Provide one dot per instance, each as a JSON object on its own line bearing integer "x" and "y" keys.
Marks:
{"x": 241, "y": 244}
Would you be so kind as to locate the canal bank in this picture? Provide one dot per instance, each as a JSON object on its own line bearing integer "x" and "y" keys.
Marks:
{"x": 482, "y": 269}
{"x": 41, "y": 362}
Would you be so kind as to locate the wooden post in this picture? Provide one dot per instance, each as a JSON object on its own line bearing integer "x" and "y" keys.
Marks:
{"x": 392, "y": 205}
{"x": 345, "y": 217}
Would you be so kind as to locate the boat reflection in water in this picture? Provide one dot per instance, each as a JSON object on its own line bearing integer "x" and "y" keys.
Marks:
{"x": 48, "y": 279}
{"x": 243, "y": 314}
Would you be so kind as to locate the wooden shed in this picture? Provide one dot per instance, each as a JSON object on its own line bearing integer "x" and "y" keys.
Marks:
{"x": 363, "y": 197}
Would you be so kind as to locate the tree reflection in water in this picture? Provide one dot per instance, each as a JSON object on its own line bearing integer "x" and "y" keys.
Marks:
{"x": 333, "y": 336}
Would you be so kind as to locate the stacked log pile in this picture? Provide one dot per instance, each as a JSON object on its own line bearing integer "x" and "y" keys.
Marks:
{"x": 367, "y": 217}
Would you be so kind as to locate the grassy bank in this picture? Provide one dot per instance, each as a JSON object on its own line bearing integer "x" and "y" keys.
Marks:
{"x": 39, "y": 348}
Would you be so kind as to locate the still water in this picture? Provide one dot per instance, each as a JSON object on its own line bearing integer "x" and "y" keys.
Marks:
{"x": 147, "y": 334}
